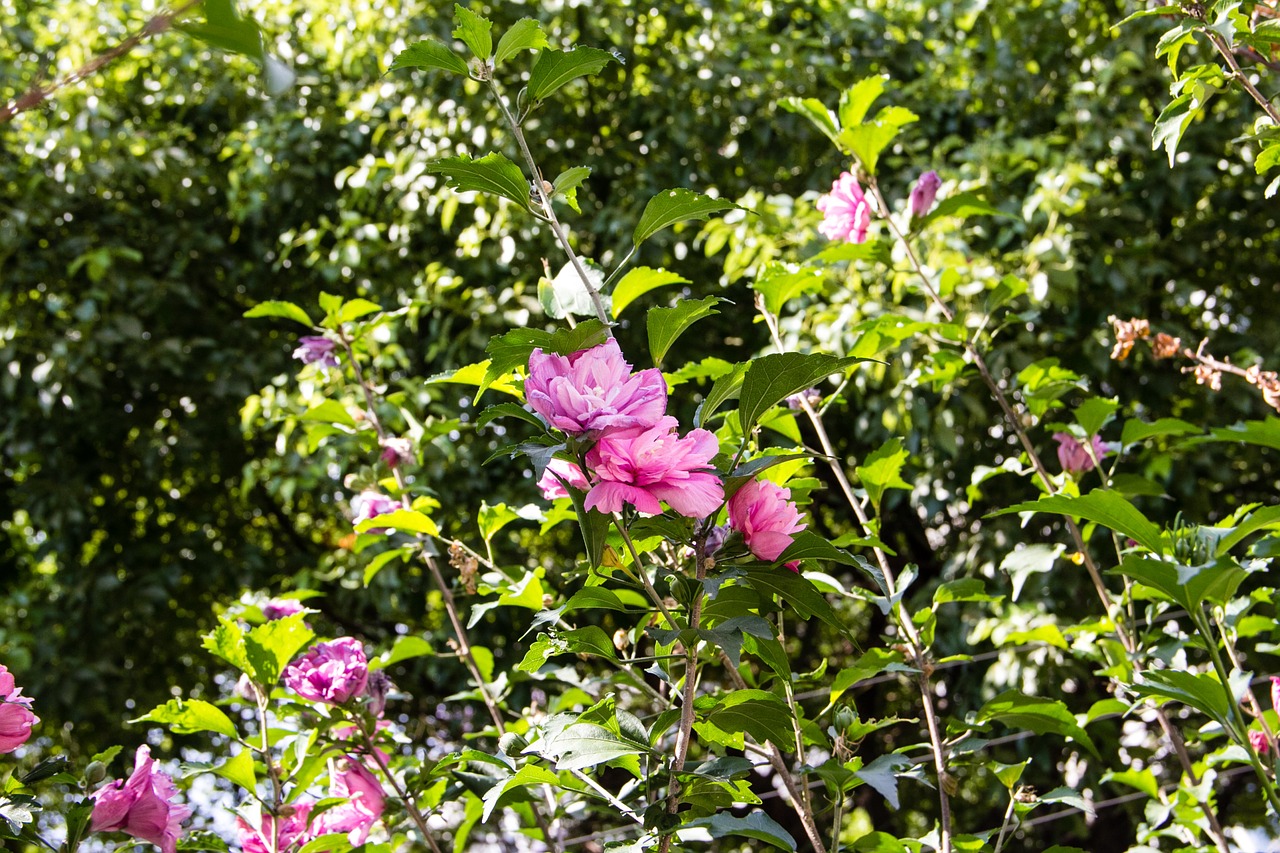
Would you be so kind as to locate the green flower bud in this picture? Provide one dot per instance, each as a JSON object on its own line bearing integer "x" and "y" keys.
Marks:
{"x": 95, "y": 772}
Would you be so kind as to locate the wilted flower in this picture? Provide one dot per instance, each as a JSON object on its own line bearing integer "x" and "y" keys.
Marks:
{"x": 593, "y": 390}
{"x": 350, "y": 779}
{"x": 924, "y": 193}
{"x": 762, "y": 511}
{"x": 315, "y": 349}
{"x": 331, "y": 672}
{"x": 16, "y": 718}
{"x": 1072, "y": 455}
{"x": 812, "y": 396}
{"x": 1128, "y": 332}
{"x": 644, "y": 466}
{"x": 846, "y": 213}
{"x": 278, "y": 608}
{"x": 1259, "y": 741}
{"x": 550, "y": 484}
{"x": 378, "y": 687}
{"x": 367, "y": 505}
{"x": 292, "y": 834}
{"x": 1165, "y": 345}
{"x": 397, "y": 451}
{"x": 142, "y": 807}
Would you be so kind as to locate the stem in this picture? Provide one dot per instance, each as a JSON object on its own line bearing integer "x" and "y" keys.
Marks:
{"x": 38, "y": 93}
{"x": 273, "y": 772}
{"x": 545, "y": 200}
{"x": 410, "y": 806}
{"x": 903, "y": 618}
{"x": 1015, "y": 424}
{"x": 1008, "y": 820}
{"x": 1240, "y": 77}
{"x": 641, "y": 575}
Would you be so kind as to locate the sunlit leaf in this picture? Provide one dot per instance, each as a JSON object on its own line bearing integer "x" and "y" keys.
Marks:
{"x": 676, "y": 205}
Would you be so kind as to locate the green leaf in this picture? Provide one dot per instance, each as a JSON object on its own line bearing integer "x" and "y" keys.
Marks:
{"x": 758, "y": 713}
{"x": 567, "y": 295}
{"x": 1188, "y": 586}
{"x": 1201, "y": 691}
{"x": 757, "y": 825}
{"x": 676, "y": 205}
{"x": 640, "y": 281}
{"x": 582, "y": 745}
{"x": 1135, "y": 430}
{"x": 1148, "y": 13}
{"x": 271, "y": 645}
{"x": 511, "y": 350}
{"x": 407, "y": 520}
{"x": 429, "y": 53}
{"x": 725, "y": 388}
{"x": 881, "y": 470}
{"x": 962, "y": 205}
{"x": 591, "y": 640}
{"x": 404, "y": 648}
{"x": 329, "y": 412}
{"x": 871, "y": 663}
{"x": 508, "y": 410}
{"x": 1263, "y": 519}
{"x": 524, "y": 34}
{"x": 882, "y": 774}
{"x": 665, "y": 325}
{"x": 866, "y": 141}
{"x": 1069, "y": 797}
{"x": 1172, "y": 123}
{"x": 1093, "y": 414}
{"x": 772, "y": 378}
{"x": 555, "y": 68}
{"x": 238, "y": 769}
{"x": 597, "y": 597}
{"x": 858, "y": 98}
{"x": 1008, "y": 774}
{"x": 794, "y": 589}
{"x": 566, "y": 184}
{"x": 1024, "y": 562}
{"x": 1264, "y": 433}
{"x": 473, "y": 31}
{"x": 1103, "y": 506}
{"x": 227, "y": 642}
{"x": 779, "y": 283}
{"x": 188, "y": 716}
{"x": 1035, "y": 714}
{"x": 594, "y": 526}
{"x": 530, "y": 774}
{"x": 357, "y": 308}
{"x": 277, "y": 308}
{"x": 816, "y": 112}
{"x": 224, "y": 28}
{"x": 965, "y": 589}
{"x": 492, "y": 173}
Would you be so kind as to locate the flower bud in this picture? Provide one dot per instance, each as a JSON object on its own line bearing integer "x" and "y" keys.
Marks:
{"x": 95, "y": 772}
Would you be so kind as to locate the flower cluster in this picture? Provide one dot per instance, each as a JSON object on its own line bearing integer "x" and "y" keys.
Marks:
{"x": 637, "y": 457}
{"x": 334, "y": 672}
{"x": 315, "y": 349}
{"x": 16, "y": 717}
{"x": 634, "y": 455}
{"x": 143, "y": 807}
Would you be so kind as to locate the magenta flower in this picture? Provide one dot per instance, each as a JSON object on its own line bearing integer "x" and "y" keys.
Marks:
{"x": 350, "y": 779}
{"x": 1259, "y": 741}
{"x": 1275, "y": 693}
{"x": 551, "y": 486}
{"x": 1072, "y": 455}
{"x": 644, "y": 466}
{"x": 397, "y": 451}
{"x": 924, "y": 193}
{"x": 593, "y": 390}
{"x": 763, "y": 513}
{"x": 142, "y": 807}
{"x": 314, "y": 349}
{"x": 16, "y": 718}
{"x": 846, "y": 213}
{"x": 367, "y": 505}
{"x": 278, "y": 608}
{"x": 332, "y": 672}
{"x": 292, "y": 834}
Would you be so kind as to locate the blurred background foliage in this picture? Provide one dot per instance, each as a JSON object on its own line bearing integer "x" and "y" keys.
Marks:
{"x": 152, "y": 463}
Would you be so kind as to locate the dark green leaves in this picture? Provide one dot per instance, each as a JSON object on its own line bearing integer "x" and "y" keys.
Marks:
{"x": 555, "y": 68}
{"x": 757, "y": 825}
{"x": 758, "y": 713}
{"x": 473, "y": 31}
{"x": 223, "y": 27}
{"x": 1199, "y": 690}
{"x": 429, "y": 53}
{"x": 665, "y": 325}
{"x": 676, "y": 205}
{"x": 525, "y": 34}
{"x": 1042, "y": 716}
{"x": 492, "y": 173}
{"x": 773, "y": 378}
{"x": 1103, "y": 506}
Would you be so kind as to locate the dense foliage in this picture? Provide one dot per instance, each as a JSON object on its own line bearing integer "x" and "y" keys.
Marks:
{"x": 168, "y": 467}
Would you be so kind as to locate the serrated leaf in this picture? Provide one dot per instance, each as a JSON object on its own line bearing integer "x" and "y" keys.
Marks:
{"x": 1199, "y": 690}
{"x": 1264, "y": 433}
{"x": 530, "y": 774}
{"x": 1093, "y": 414}
{"x": 794, "y": 589}
{"x": 757, "y": 825}
{"x": 962, "y": 205}
{"x": 599, "y": 598}
{"x": 868, "y": 140}
{"x": 566, "y": 184}
{"x": 271, "y": 645}
{"x": 567, "y": 294}
{"x": 758, "y": 713}
{"x": 676, "y": 205}
{"x": 238, "y": 769}
{"x": 779, "y": 284}
{"x": 1035, "y": 714}
{"x": 279, "y": 308}
{"x": 1103, "y": 506}
{"x": 726, "y": 388}
{"x": 225, "y": 28}
{"x": 665, "y": 325}
{"x": 772, "y": 378}
{"x": 524, "y": 34}
{"x": 1172, "y": 123}
{"x": 1188, "y": 586}
{"x": 816, "y": 112}
{"x": 882, "y": 774}
{"x": 329, "y": 412}
{"x": 858, "y": 98}
{"x": 357, "y": 308}
{"x": 46, "y": 769}
{"x": 508, "y": 410}
{"x": 429, "y": 53}
{"x": 404, "y": 648}
{"x": 227, "y": 642}
{"x": 881, "y": 470}
{"x": 474, "y": 31}
{"x": 582, "y": 745}
{"x": 555, "y": 68}
{"x": 407, "y": 520}
{"x": 188, "y": 716}
{"x": 871, "y": 663}
{"x": 1135, "y": 431}
{"x": 493, "y": 173}
{"x": 640, "y": 281}
{"x": 965, "y": 589}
